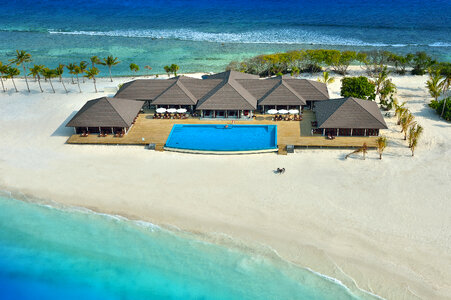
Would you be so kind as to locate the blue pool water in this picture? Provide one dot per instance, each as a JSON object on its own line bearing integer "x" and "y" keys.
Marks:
{"x": 67, "y": 253}
{"x": 223, "y": 137}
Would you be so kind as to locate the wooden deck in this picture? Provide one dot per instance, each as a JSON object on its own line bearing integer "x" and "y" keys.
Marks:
{"x": 148, "y": 130}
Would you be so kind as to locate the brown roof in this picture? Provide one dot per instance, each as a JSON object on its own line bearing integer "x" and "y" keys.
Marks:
{"x": 282, "y": 94}
{"x": 143, "y": 89}
{"x": 349, "y": 113}
{"x": 228, "y": 94}
{"x": 242, "y": 89}
{"x": 106, "y": 112}
{"x": 310, "y": 90}
{"x": 175, "y": 94}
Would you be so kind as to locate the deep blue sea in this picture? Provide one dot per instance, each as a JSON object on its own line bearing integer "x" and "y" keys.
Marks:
{"x": 54, "y": 253}
{"x": 204, "y": 35}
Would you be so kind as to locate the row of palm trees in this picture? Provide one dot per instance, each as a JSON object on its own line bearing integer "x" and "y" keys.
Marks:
{"x": 411, "y": 129}
{"x": 8, "y": 71}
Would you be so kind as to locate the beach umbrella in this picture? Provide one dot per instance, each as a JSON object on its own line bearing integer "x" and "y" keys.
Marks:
{"x": 172, "y": 110}
{"x": 293, "y": 111}
{"x": 283, "y": 111}
{"x": 272, "y": 111}
{"x": 181, "y": 110}
{"x": 161, "y": 110}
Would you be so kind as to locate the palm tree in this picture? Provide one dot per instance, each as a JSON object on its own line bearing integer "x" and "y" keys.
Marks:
{"x": 168, "y": 70}
{"x": 22, "y": 57}
{"x": 407, "y": 121}
{"x": 10, "y": 73}
{"x": 380, "y": 79}
{"x": 433, "y": 84}
{"x": 326, "y": 78}
{"x": 362, "y": 150}
{"x": 77, "y": 71}
{"x": 414, "y": 134}
{"x": 95, "y": 60}
{"x": 83, "y": 66}
{"x": 59, "y": 72}
{"x": 400, "y": 110}
{"x": 36, "y": 71}
{"x": 174, "y": 68}
{"x": 71, "y": 67}
{"x": 110, "y": 61}
{"x": 134, "y": 67}
{"x": 3, "y": 71}
{"x": 91, "y": 74}
{"x": 381, "y": 145}
{"x": 445, "y": 84}
{"x": 49, "y": 74}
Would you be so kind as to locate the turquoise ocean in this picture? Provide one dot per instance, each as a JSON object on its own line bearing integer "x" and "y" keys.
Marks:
{"x": 49, "y": 252}
{"x": 205, "y": 35}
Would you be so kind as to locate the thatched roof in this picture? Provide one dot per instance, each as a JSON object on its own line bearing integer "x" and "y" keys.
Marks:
{"x": 349, "y": 113}
{"x": 228, "y": 94}
{"x": 142, "y": 89}
{"x": 106, "y": 112}
{"x": 282, "y": 94}
{"x": 175, "y": 94}
{"x": 226, "y": 90}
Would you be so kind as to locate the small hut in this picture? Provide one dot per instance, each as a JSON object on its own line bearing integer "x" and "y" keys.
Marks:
{"x": 349, "y": 117}
{"x": 107, "y": 115}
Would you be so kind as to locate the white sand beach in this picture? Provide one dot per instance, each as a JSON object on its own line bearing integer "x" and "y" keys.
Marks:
{"x": 383, "y": 226}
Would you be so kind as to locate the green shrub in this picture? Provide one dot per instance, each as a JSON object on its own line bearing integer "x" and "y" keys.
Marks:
{"x": 358, "y": 87}
{"x": 421, "y": 62}
{"x": 438, "y": 107}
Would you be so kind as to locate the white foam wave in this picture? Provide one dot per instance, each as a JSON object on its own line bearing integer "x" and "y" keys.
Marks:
{"x": 283, "y": 36}
{"x": 440, "y": 44}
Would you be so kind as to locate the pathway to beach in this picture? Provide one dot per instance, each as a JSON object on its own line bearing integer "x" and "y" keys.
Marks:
{"x": 382, "y": 226}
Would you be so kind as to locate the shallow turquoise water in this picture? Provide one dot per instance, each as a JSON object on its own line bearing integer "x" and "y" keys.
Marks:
{"x": 48, "y": 253}
{"x": 205, "y": 35}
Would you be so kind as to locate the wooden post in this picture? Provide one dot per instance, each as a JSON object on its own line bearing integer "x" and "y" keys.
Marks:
{"x": 324, "y": 131}
{"x": 351, "y": 131}
{"x": 338, "y": 131}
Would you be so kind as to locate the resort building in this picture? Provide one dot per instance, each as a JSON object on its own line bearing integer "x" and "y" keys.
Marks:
{"x": 349, "y": 117}
{"x": 106, "y": 115}
{"x": 228, "y": 112}
{"x": 228, "y": 94}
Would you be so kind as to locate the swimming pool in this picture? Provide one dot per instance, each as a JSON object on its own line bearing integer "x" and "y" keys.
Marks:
{"x": 222, "y": 138}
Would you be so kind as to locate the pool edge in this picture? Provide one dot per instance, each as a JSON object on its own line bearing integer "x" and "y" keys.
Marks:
{"x": 220, "y": 152}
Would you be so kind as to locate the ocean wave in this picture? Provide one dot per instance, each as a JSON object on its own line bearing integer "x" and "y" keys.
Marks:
{"x": 283, "y": 36}
{"x": 440, "y": 44}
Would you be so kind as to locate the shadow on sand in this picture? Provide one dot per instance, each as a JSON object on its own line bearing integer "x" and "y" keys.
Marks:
{"x": 62, "y": 130}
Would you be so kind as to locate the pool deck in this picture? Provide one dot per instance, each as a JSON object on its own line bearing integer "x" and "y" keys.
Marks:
{"x": 156, "y": 131}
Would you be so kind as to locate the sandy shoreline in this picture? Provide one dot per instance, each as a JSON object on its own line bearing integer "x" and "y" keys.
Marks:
{"x": 384, "y": 224}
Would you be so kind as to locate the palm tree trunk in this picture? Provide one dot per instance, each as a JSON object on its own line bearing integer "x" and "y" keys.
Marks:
{"x": 50, "y": 80}
{"x": 62, "y": 82}
{"x": 25, "y": 74}
{"x": 443, "y": 109}
{"x": 3, "y": 86}
{"x": 12, "y": 79}
{"x": 94, "y": 80}
{"x": 39, "y": 82}
{"x": 78, "y": 82}
{"x": 111, "y": 78}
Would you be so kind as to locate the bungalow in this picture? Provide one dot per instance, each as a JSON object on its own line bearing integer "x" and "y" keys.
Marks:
{"x": 349, "y": 117}
{"x": 107, "y": 115}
